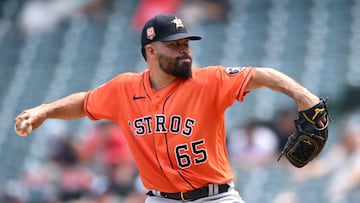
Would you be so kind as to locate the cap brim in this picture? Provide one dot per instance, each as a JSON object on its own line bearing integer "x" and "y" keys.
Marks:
{"x": 180, "y": 36}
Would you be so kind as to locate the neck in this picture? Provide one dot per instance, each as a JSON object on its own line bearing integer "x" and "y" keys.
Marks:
{"x": 160, "y": 80}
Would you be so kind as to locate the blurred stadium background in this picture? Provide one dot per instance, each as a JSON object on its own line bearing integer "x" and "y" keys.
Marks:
{"x": 47, "y": 52}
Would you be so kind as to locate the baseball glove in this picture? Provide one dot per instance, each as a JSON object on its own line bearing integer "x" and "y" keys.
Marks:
{"x": 308, "y": 139}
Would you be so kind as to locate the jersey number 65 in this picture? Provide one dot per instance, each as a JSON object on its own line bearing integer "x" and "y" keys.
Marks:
{"x": 183, "y": 153}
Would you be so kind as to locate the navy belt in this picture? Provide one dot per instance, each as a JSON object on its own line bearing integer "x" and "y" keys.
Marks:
{"x": 209, "y": 190}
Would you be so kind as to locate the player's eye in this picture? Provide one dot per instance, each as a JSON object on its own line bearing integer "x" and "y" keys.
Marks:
{"x": 177, "y": 44}
{"x": 172, "y": 44}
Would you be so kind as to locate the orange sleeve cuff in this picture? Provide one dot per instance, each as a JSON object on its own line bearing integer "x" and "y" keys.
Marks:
{"x": 86, "y": 109}
{"x": 247, "y": 78}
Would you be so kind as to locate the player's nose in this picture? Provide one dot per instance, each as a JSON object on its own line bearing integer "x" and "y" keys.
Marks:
{"x": 185, "y": 51}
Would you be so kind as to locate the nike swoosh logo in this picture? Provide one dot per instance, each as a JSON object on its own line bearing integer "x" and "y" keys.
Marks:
{"x": 138, "y": 97}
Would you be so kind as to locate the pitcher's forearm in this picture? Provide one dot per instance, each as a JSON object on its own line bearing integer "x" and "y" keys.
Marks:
{"x": 275, "y": 80}
{"x": 70, "y": 107}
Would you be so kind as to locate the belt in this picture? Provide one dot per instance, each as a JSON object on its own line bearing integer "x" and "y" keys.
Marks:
{"x": 206, "y": 191}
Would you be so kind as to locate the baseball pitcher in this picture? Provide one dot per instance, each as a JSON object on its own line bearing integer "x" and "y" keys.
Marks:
{"x": 173, "y": 115}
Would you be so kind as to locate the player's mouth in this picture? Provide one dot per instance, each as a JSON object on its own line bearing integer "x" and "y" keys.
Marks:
{"x": 187, "y": 60}
{"x": 184, "y": 58}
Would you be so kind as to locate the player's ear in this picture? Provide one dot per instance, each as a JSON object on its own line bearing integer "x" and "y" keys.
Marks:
{"x": 150, "y": 52}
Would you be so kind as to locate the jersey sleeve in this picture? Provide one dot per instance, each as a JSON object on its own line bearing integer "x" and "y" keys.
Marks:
{"x": 232, "y": 82}
{"x": 103, "y": 101}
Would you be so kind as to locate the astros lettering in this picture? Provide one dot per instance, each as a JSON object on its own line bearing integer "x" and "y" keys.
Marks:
{"x": 147, "y": 125}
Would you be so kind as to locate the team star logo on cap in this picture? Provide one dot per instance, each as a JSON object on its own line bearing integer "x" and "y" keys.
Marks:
{"x": 178, "y": 23}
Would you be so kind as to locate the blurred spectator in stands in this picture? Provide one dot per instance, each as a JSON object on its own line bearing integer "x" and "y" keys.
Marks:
{"x": 192, "y": 11}
{"x": 138, "y": 195}
{"x": 252, "y": 145}
{"x": 284, "y": 126}
{"x": 33, "y": 186}
{"x": 340, "y": 164}
{"x": 14, "y": 192}
{"x": 54, "y": 174}
{"x": 73, "y": 181}
{"x": 53, "y": 134}
{"x": 37, "y": 185}
{"x": 96, "y": 9}
{"x": 146, "y": 9}
{"x": 201, "y": 11}
{"x": 40, "y": 16}
{"x": 106, "y": 151}
{"x": 287, "y": 197}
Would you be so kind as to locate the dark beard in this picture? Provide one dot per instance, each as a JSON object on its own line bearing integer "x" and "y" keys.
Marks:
{"x": 174, "y": 67}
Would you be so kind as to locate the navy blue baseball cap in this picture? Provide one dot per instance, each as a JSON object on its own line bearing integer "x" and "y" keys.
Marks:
{"x": 165, "y": 27}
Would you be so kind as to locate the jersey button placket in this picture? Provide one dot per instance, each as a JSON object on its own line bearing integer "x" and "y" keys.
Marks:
{"x": 157, "y": 104}
{"x": 159, "y": 139}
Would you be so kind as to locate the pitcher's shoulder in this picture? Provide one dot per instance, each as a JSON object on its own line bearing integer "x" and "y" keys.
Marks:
{"x": 130, "y": 76}
{"x": 229, "y": 70}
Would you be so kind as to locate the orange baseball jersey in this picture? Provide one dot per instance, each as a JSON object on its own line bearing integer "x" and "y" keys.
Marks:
{"x": 177, "y": 134}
